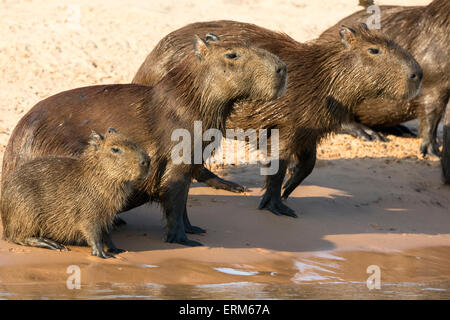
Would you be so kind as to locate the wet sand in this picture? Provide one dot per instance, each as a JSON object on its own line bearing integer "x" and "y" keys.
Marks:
{"x": 364, "y": 204}
{"x": 398, "y": 221}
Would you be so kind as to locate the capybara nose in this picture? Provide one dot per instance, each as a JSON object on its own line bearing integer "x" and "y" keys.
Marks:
{"x": 281, "y": 70}
{"x": 145, "y": 161}
{"x": 416, "y": 73}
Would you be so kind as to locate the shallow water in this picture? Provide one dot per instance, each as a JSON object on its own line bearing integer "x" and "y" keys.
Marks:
{"x": 413, "y": 274}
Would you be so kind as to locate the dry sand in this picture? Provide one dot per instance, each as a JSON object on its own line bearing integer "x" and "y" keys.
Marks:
{"x": 364, "y": 204}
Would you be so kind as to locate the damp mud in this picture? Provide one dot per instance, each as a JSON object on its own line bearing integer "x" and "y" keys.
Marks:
{"x": 410, "y": 274}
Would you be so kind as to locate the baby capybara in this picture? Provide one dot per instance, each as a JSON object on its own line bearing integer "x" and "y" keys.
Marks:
{"x": 326, "y": 80}
{"x": 51, "y": 201}
{"x": 205, "y": 87}
{"x": 425, "y": 32}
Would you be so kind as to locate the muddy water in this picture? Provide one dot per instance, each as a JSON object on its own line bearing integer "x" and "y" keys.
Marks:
{"x": 412, "y": 274}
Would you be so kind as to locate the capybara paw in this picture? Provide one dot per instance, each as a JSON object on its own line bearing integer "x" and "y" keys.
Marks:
{"x": 194, "y": 230}
{"x": 277, "y": 208}
{"x": 101, "y": 254}
{"x": 182, "y": 239}
{"x": 115, "y": 250}
{"x": 429, "y": 149}
{"x": 233, "y": 187}
{"x": 360, "y": 131}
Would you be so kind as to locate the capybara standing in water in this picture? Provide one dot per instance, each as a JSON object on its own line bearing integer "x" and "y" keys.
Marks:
{"x": 204, "y": 87}
{"x": 325, "y": 81}
{"x": 51, "y": 201}
{"x": 425, "y": 32}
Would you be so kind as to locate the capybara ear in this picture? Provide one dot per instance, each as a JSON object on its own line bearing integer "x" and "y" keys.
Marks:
{"x": 95, "y": 140}
{"x": 112, "y": 130}
{"x": 347, "y": 34}
{"x": 211, "y": 37}
{"x": 200, "y": 47}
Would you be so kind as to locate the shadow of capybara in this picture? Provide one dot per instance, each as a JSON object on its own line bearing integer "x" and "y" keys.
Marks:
{"x": 326, "y": 79}
{"x": 51, "y": 201}
{"x": 204, "y": 87}
{"x": 425, "y": 32}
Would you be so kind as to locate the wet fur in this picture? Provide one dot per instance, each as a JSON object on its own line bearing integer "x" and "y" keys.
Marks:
{"x": 323, "y": 86}
{"x": 425, "y": 32}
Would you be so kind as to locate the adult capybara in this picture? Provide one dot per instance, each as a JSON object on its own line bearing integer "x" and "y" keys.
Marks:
{"x": 425, "y": 32}
{"x": 446, "y": 151}
{"x": 204, "y": 86}
{"x": 325, "y": 81}
{"x": 51, "y": 201}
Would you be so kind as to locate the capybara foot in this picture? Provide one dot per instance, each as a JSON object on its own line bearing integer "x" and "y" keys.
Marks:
{"x": 44, "y": 243}
{"x": 182, "y": 239}
{"x": 116, "y": 250}
{"x": 430, "y": 149}
{"x": 399, "y": 130}
{"x": 194, "y": 230}
{"x": 276, "y": 206}
{"x": 220, "y": 183}
{"x": 363, "y": 132}
{"x": 119, "y": 222}
{"x": 101, "y": 254}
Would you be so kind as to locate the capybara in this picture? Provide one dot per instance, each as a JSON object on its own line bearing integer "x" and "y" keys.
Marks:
{"x": 445, "y": 160}
{"x": 52, "y": 200}
{"x": 326, "y": 79}
{"x": 204, "y": 87}
{"x": 425, "y": 32}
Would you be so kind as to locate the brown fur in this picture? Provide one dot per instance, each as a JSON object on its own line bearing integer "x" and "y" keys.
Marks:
{"x": 326, "y": 80}
{"x": 425, "y": 32}
{"x": 72, "y": 200}
{"x": 204, "y": 87}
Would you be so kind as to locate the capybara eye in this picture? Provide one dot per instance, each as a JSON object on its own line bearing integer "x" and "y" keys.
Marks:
{"x": 115, "y": 150}
{"x": 374, "y": 51}
{"x": 232, "y": 56}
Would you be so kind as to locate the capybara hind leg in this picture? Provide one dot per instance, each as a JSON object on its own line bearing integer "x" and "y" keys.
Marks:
{"x": 432, "y": 110}
{"x": 361, "y": 131}
{"x": 201, "y": 174}
{"x": 190, "y": 228}
{"x": 109, "y": 244}
{"x": 305, "y": 165}
{"x": 42, "y": 243}
{"x": 272, "y": 197}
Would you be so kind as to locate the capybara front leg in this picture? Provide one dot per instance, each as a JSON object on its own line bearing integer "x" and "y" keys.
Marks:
{"x": 272, "y": 197}
{"x": 305, "y": 165}
{"x": 42, "y": 243}
{"x": 174, "y": 204}
{"x": 94, "y": 238}
{"x": 201, "y": 174}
